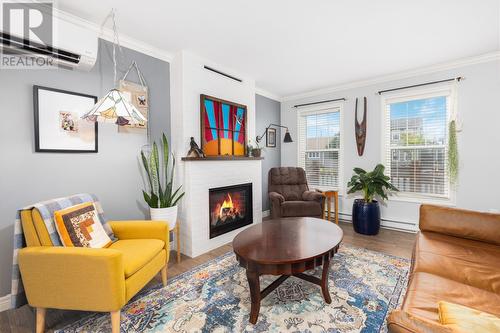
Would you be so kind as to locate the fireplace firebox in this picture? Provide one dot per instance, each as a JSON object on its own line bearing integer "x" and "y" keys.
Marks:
{"x": 230, "y": 208}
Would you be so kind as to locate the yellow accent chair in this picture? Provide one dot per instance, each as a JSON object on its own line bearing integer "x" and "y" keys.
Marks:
{"x": 76, "y": 278}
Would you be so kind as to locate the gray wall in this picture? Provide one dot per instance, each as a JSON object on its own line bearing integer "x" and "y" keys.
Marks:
{"x": 478, "y": 107}
{"x": 267, "y": 111}
{"x": 112, "y": 174}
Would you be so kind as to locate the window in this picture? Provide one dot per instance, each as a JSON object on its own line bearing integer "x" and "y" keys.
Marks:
{"x": 415, "y": 140}
{"x": 320, "y": 146}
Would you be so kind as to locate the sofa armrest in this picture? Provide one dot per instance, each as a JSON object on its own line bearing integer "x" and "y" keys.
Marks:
{"x": 275, "y": 196}
{"x": 73, "y": 278}
{"x": 141, "y": 230}
{"x": 313, "y": 196}
{"x": 276, "y": 200}
{"x": 402, "y": 322}
{"x": 460, "y": 223}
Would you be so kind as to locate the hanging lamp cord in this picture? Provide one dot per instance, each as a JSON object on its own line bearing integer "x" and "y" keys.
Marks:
{"x": 116, "y": 40}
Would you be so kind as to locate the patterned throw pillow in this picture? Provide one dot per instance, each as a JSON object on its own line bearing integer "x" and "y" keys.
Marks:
{"x": 80, "y": 226}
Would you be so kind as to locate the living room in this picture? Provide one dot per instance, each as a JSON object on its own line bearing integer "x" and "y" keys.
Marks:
{"x": 250, "y": 166}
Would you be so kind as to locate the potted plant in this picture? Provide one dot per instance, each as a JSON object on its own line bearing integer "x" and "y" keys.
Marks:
{"x": 161, "y": 197}
{"x": 257, "y": 150}
{"x": 366, "y": 211}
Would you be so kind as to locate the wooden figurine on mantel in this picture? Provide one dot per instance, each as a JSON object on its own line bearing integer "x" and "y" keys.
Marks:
{"x": 195, "y": 150}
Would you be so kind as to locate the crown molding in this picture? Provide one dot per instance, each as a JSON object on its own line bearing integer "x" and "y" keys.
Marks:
{"x": 268, "y": 94}
{"x": 108, "y": 35}
{"x": 487, "y": 57}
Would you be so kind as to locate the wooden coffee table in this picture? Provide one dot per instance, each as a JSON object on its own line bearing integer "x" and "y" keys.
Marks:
{"x": 286, "y": 247}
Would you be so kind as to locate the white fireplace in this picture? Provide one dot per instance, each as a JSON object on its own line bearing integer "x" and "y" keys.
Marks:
{"x": 195, "y": 217}
{"x": 190, "y": 79}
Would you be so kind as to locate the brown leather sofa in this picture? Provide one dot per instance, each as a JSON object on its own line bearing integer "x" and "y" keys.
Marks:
{"x": 289, "y": 194}
{"x": 456, "y": 259}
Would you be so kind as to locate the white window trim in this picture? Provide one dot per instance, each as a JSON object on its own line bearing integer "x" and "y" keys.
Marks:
{"x": 415, "y": 94}
{"x": 326, "y": 108}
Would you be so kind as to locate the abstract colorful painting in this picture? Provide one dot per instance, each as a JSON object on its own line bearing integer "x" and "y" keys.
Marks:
{"x": 223, "y": 127}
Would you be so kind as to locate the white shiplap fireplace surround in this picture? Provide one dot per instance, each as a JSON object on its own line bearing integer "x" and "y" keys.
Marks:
{"x": 202, "y": 176}
{"x": 189, "y": 79}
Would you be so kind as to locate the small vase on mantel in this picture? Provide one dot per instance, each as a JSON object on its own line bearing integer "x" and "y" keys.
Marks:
{"x": 256, "y": 152}
{"x": 168, "y": 214}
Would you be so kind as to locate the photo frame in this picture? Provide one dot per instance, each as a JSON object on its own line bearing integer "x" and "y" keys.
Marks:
{"x": 271, "y": 137}
{"x": 59, "y": 127}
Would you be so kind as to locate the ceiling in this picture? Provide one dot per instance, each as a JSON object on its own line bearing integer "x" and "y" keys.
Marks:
{"x": 292, "y": 46}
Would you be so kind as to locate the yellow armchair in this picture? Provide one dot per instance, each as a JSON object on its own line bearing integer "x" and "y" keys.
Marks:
{"x": 74, "y": 278}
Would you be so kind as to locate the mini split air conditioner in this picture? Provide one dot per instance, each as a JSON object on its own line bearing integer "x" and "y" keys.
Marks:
{"x": 73, "y": 45}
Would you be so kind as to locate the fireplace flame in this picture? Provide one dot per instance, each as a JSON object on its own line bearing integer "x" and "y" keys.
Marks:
{"x": 226, "y": 204}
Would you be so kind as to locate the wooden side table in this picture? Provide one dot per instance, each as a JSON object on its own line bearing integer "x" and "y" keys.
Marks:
{"x": 177, "y": 231}
{"x": 328, "y": 197}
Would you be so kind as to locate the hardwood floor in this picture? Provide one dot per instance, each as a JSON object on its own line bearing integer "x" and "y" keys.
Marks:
{"x": 22, "y": 320}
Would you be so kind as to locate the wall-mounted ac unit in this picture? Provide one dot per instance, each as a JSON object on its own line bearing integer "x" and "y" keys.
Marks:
{"x": 73, "y": 45}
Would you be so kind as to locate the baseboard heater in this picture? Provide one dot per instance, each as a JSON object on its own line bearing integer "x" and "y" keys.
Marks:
{"x": 348, "y": 218}
{"x": 222, "y": 73}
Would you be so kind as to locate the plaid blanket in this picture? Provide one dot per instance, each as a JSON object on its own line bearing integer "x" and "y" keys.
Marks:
{"x": 46, "y": 209}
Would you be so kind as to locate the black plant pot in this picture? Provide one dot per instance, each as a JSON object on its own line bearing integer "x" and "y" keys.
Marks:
{"x": 366, "y": 217}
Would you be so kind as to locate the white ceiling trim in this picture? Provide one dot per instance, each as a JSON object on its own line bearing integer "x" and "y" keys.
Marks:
{"x": 107, "y": 34}
{"x": 134, "y": 44}
{"x": 148, "y": 49}
{"x": 268, "y": 94}
{"x": 491, "y": 56}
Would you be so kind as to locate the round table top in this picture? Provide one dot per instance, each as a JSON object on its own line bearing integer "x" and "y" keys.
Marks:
{"x": 287, "y": 240}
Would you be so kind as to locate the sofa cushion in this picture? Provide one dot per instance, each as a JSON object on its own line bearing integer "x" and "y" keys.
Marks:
{"x": 425, "y": 290}
{"x": 460, "y": 223}
{"x": 137, "y": 252}
{"x": 465, "y": 319}
{"x": 290, "y": 182}
{"x": 301, "y": 208}
{"x": 466, "y": 261}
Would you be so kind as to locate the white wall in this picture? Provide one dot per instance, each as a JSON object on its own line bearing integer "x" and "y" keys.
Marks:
{"x": 189, "y": 80}
{"x": 479, "y": 142}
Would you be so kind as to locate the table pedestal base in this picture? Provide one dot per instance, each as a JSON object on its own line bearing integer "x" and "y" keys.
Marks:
{"x": 256, "y": 295}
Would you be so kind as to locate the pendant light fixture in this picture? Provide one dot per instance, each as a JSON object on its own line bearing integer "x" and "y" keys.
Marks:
{"x": 114, "y": 107}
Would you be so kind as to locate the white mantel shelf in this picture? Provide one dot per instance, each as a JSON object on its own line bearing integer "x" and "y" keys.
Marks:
{"x": 223, "y": 158}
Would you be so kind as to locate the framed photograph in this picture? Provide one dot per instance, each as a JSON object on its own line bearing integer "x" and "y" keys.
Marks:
{"x": 58, "y": 123}
{"x": 271, "y": 137}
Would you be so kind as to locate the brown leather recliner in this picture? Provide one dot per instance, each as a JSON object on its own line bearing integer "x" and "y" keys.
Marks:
{"x": 289, "y": 194}
{"x": 456, "y": 259}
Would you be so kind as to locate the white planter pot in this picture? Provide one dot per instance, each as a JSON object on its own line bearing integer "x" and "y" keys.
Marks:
{"x": 165, "y": 214}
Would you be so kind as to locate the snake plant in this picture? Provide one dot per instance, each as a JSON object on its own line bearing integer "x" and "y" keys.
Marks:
{"x": 160, "y": 193}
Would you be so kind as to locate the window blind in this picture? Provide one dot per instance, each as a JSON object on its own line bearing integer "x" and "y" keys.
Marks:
{"x": 416, "y": 144}
{"x": 319, "y": 147}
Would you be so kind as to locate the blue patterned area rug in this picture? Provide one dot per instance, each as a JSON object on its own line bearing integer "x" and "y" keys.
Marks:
{"x": 214, "y": 297}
